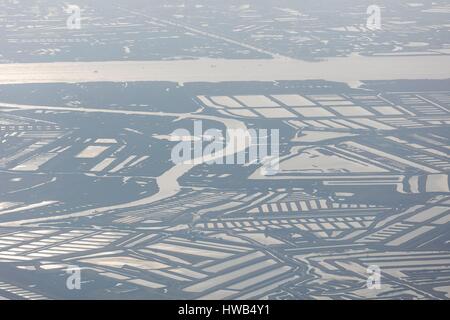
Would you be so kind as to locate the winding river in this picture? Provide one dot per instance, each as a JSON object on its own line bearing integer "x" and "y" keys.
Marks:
{"x": 167, "y": 183}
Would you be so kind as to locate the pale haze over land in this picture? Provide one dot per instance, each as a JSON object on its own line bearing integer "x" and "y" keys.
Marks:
{"x": 349, "y": 104}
